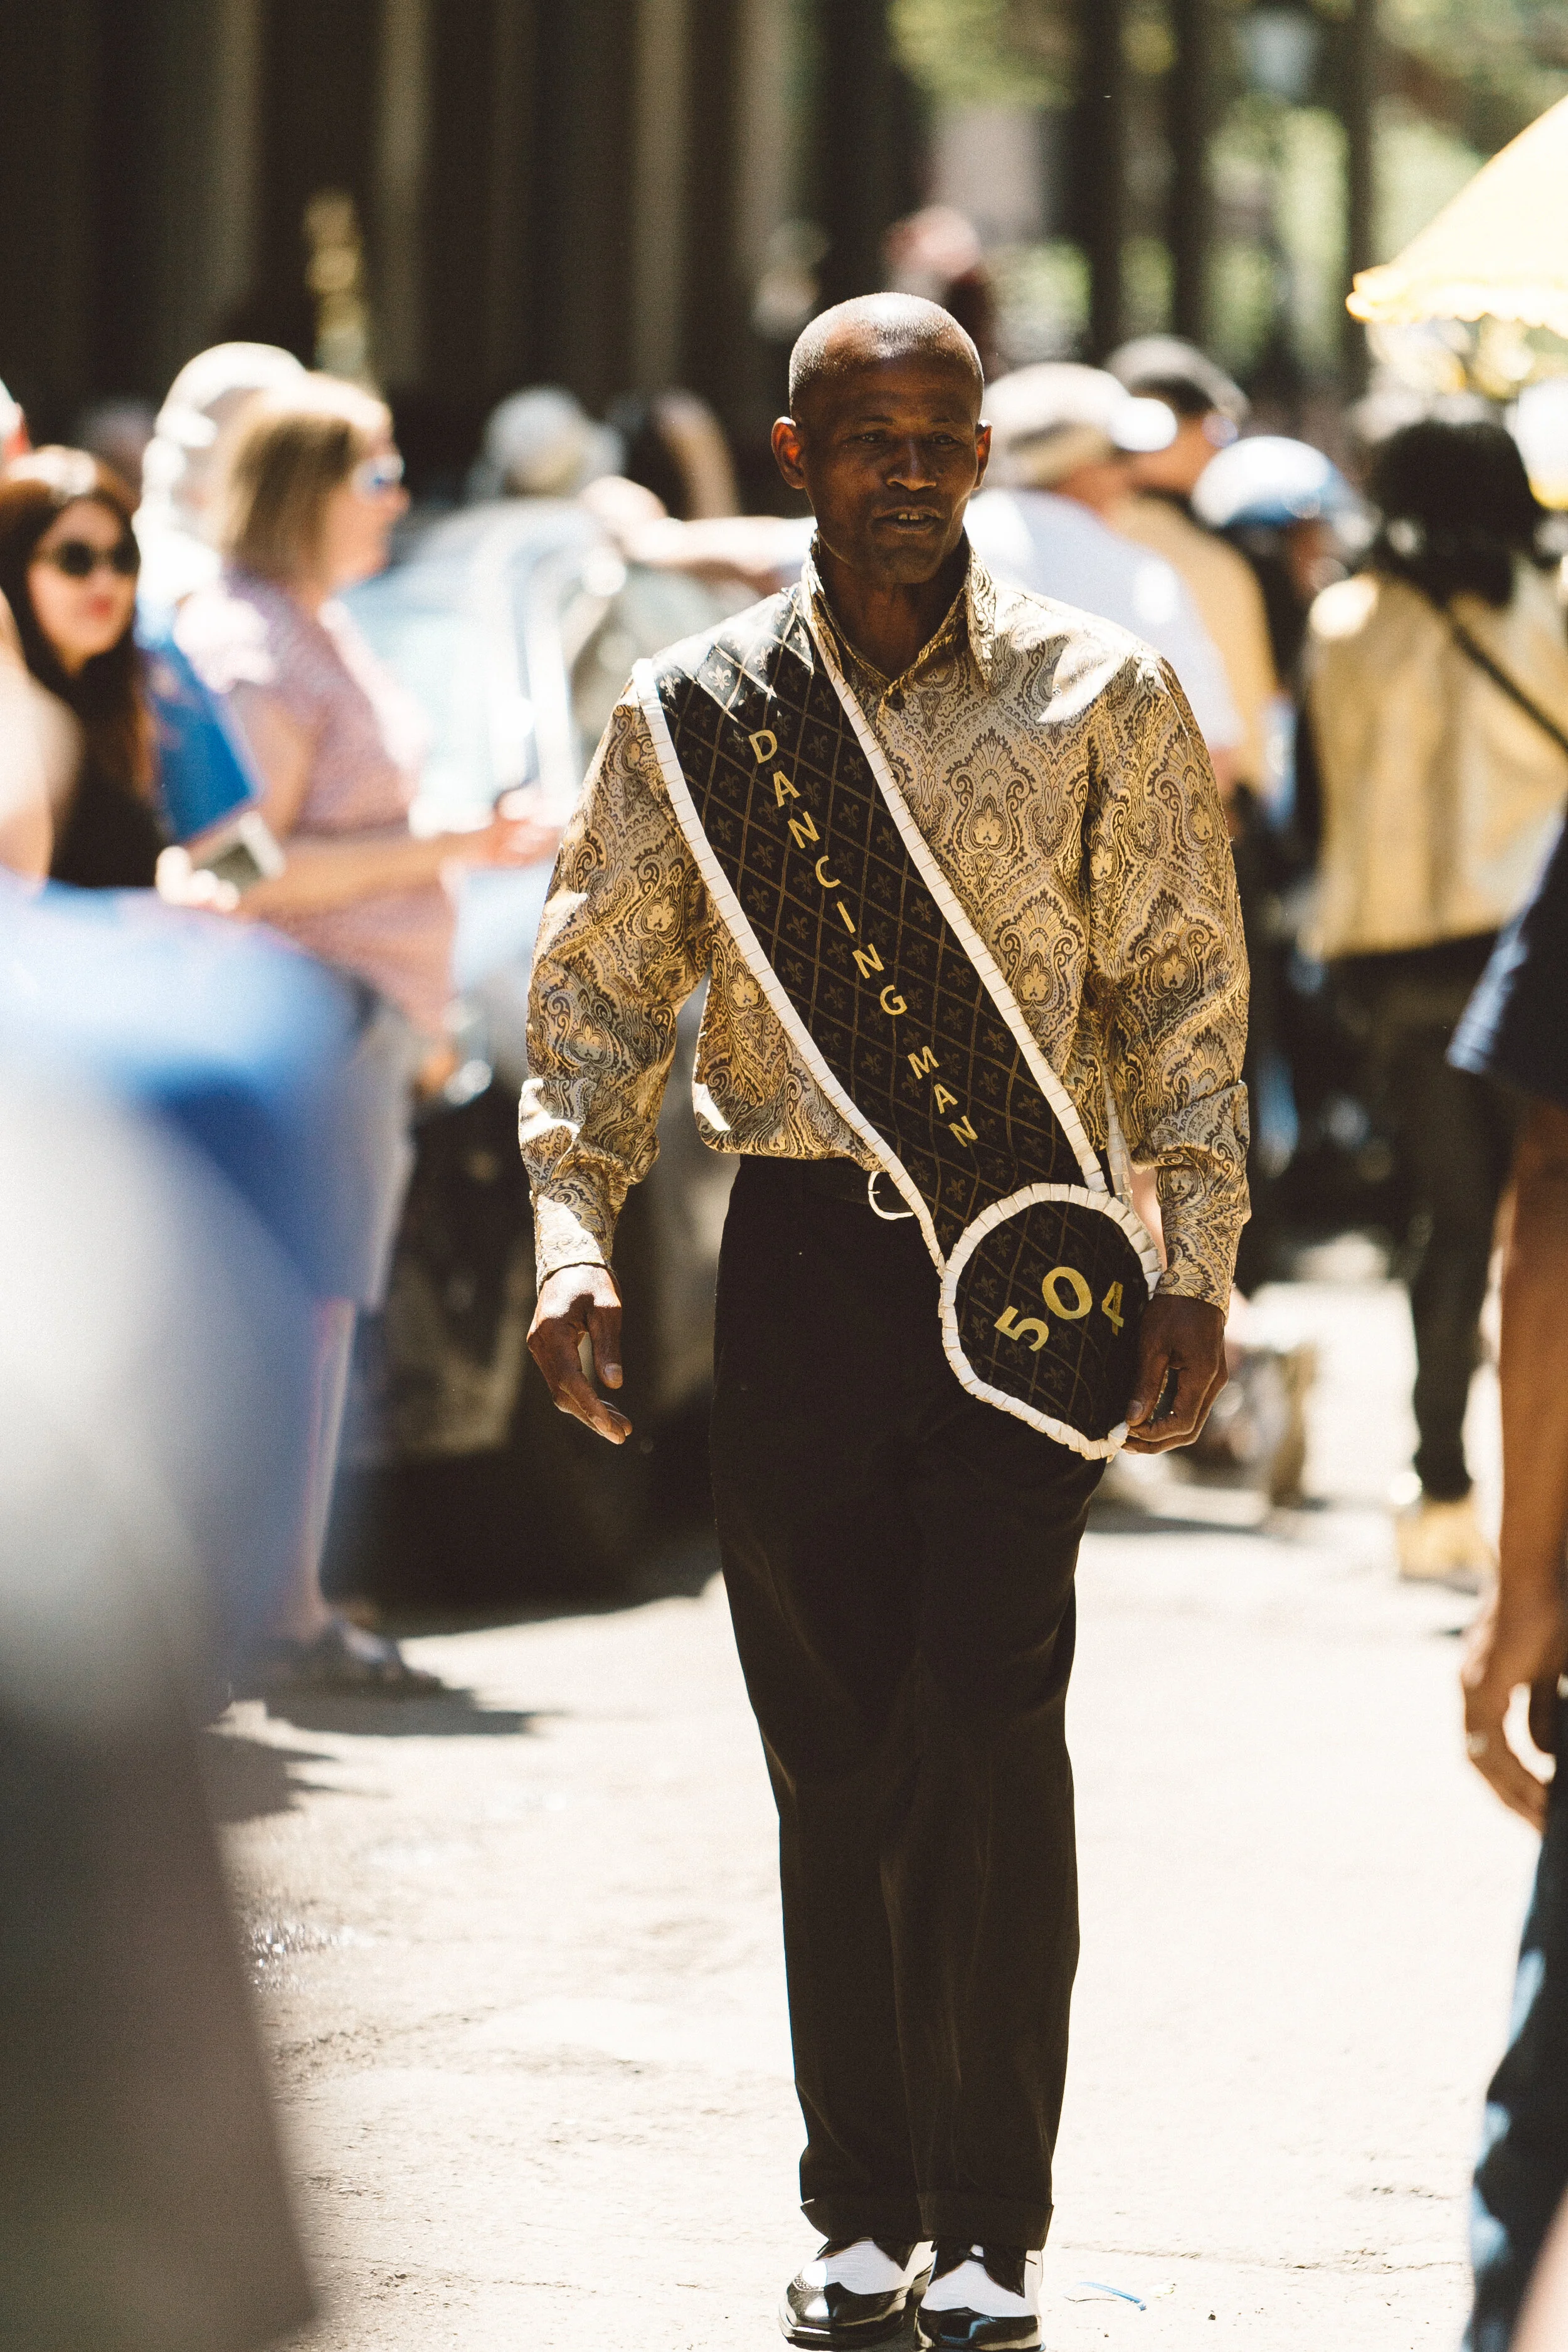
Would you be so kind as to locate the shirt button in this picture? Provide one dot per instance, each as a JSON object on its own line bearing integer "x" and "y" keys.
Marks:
{"x": 895, "y": 698}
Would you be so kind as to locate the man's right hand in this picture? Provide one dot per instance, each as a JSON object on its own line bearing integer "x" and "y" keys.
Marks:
{"x": 578, "y": 1303}
{"x": 1519, "y": 1639}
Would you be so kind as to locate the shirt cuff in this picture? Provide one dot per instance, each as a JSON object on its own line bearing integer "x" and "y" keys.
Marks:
{"x": 1201, "y": 1243}
{"x": 563, "y": 1236}
{"x": 1187, "y": 1279}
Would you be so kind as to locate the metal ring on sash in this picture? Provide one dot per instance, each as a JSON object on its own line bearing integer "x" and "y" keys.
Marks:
{"x": 888, "y": 1216}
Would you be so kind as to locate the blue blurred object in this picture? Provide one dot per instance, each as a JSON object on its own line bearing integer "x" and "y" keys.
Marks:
{"x": 244, "y": 1065}
{"x": 155, "y": 1397}
{"x": 204, "y": 770}
{"x": 244, "y": 1045}
{"x": 1268, "y": 482}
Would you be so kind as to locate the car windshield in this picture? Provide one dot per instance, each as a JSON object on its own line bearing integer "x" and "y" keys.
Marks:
{"x": 650, "y": 611}
{"x": 516, "y": 653}
{"x": 440, "y": 657}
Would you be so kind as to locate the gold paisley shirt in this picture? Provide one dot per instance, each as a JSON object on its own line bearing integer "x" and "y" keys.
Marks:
{"x": 1051, "y": 762}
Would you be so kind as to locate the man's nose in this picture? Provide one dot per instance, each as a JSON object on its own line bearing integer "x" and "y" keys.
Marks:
{"x": 912, "y": 469}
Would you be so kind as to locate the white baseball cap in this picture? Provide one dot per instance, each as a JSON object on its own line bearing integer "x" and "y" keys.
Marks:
{"x": 1058, "y": 416}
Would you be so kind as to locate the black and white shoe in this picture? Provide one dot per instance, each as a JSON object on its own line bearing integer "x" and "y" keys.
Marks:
{"x": 981, "y": 2299}
{"x": 853, "y": 2291}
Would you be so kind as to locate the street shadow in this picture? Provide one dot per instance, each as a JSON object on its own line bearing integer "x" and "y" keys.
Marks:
{"x": 450, "y": 1713}
{"x": 391, "y": 1562}
{"x": 247, "y": 1780}
{"x": 1113, "y": 1518}
{"x": 676, "y": 1566}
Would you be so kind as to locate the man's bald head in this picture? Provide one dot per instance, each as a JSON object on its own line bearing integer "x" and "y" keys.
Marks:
{"x": 870, "y": 332}
{"x": 885, "y": 439}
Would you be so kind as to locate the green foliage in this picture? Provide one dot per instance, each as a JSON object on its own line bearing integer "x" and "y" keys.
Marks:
{"x": 1310, "y": 210}
{"x": 1419, "y": 167}
{"x": 1017, "y": 53}
{"x": 1510, "y": 57}
{"x": 1278, "y": 267}
{"x": 1042, "y": 300}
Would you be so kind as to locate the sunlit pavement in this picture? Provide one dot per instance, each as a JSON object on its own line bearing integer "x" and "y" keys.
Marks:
{"x": 519, "y": 1956}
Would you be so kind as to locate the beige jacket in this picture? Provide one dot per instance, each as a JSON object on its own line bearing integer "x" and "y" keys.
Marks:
{"x": 1223, "y": 587}
{"x": 1440, "y": 796}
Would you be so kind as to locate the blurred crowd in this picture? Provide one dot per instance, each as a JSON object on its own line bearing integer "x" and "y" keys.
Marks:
{"x": 240, "y": 1003}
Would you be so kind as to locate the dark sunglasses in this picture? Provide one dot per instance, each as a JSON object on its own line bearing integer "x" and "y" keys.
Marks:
{"x": 79, "y": 559}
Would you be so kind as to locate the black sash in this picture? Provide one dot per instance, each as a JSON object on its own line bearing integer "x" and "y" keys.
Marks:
{"x": 846, "y": 923}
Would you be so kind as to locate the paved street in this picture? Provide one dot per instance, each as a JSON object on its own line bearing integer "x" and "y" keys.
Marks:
{"x": 518, "y": 1950}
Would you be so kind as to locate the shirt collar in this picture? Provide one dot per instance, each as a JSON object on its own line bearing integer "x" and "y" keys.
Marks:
{"x": 969, "y": 622}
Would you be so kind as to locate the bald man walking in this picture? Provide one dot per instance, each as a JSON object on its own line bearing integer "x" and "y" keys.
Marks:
{"x": 952, "y": 864}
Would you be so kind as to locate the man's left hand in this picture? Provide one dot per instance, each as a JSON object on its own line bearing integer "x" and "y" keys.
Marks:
{"x": 1184, "y": 1336}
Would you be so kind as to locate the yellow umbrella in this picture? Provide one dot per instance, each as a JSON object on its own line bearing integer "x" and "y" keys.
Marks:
{"x": 1498, "y": 251}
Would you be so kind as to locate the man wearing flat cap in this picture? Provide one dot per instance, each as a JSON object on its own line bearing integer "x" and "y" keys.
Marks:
{"x": 1208, "y": 410}
{"x": 1066, "y": 439}
{"x": 951, "y": 861}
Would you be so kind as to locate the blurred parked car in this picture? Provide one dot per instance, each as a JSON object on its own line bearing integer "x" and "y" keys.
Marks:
{"x": 516, "y": 623}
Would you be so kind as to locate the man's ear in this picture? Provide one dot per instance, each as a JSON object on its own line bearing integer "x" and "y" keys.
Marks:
{"x": 982, "y": 453}
{"x": 786, "y": 437}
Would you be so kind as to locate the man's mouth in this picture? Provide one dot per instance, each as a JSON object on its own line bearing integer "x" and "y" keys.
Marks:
{"x": 912, "y": 519}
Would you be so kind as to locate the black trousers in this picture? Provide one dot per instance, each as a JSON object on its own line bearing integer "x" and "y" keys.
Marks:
{"x": 1454, "y": 1133}
{"x": 899, "y": 1564}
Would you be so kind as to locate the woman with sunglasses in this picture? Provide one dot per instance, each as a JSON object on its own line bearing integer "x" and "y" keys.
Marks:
{"x": 67, "y": 570}
{"x": 310, "y": 487}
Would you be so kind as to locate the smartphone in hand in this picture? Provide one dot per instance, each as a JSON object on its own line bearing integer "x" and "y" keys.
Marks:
{"x": 243, "y": 851}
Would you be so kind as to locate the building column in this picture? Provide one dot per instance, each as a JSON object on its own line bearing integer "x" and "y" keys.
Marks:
{"x": 580, "y": 195}
{"x": 767, "y": 142}
{"x": 509, "y": 301}
{"x": 209, "y": 156}
{"x": 1359, "y": 84}
{"x": 149, "y": 111}
{"x": 1101, "y": 145}
{"x": 1191, "y": 217}
{"x": 868, "y": 143}
{"x": 659, "y": 168}
{"x": 318, "y": 130}
{"x": 48, "y": 166}
{"x": 712, "y": 327}
{"x": 402, "y": 156}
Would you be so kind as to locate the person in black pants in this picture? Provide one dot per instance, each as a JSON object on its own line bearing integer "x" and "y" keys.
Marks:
{"x": 1453, "y": 1130}
{"x": 899, "y": 1551}
{"x": 898, "y": 1558}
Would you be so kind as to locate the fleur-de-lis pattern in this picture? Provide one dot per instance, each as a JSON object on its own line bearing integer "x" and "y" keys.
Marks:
{"x": 1051, "y": 762}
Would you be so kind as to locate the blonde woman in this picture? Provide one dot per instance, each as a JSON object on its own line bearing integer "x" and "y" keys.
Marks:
{"x": 311, "y": 486}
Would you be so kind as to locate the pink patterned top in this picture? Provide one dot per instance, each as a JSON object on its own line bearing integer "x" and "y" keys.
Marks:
{"x": 369, "y": 739}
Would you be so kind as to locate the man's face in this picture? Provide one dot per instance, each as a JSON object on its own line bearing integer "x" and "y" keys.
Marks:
{"x": 890, "y": 452}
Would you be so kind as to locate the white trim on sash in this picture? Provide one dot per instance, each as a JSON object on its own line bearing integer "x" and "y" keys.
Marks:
{"x": 1093, "y": 1449}
{"x": 969, "y": 938}
{"x": 646, "y": 687}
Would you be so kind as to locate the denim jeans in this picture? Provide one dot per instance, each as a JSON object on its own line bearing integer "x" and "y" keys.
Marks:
{"x": 1523, "y": 2172}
